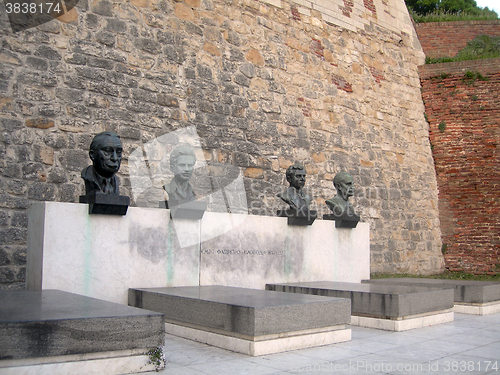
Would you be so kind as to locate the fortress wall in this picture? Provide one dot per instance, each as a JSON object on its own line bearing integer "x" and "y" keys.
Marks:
{"x": 445, "y": 39}
{"x": 331, "y": 84}
{"x": 463, "y": 109}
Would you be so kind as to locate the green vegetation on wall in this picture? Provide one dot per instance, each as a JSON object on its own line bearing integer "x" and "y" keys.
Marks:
{"x": 448, "y": 10}
{"x": 481, "y": 47}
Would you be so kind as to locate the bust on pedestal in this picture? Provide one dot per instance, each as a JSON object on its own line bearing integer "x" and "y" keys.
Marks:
{"x": 181, "y": 196}
{"x": 343, "y": 211}
{"x": 101, "y": 184}
{"x": 296, "y": 198}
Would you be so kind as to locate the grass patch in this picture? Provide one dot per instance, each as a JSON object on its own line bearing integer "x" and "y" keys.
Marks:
{"x": 442, "y": 126}
{"x": 157, "y": 358}
{"x": 445, "y": 275}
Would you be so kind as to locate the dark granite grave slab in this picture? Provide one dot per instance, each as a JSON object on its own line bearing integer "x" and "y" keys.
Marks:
{"x": 466, "y": 291}
{"x": 242, "y": 312}
{"x": 52, "y": 323}
{"x": 380, "y": 301}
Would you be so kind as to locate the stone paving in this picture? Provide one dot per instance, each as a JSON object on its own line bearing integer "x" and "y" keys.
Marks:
{"x": 469, "y": 345}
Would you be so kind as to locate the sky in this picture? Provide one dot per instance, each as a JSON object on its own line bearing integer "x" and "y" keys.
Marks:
{"x": 491, "y": 4}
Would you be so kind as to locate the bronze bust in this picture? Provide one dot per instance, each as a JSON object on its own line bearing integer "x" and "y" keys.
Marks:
{"x": 294, "y": 196}
{"x": 340, "y": 204}
{"x": 298, "y": 200}
{"x": 182, "y": 161}
{"x": 106, "y": 155}
{"x": 101, "y": 185}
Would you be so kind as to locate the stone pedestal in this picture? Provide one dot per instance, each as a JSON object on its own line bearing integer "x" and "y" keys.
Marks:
{"x": 191, "y": 210}
{"x": 298, "y": 217}
{"x": 102, "y": 256}
{"x": 265, "y": 249}
{"x": 106, "y": 204}
{"x": 254, "y": 322}
{"x": 344, "y": 220}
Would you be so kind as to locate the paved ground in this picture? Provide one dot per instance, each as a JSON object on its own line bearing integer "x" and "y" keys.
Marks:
{"x": 469, "y": 345}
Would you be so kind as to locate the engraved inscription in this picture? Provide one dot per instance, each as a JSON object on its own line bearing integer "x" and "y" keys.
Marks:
{"x": 242, "y": 252}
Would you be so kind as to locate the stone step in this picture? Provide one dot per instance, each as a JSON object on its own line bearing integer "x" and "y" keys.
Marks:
{"x": 470, "y": 296}
{"x": 50, "y": 326}
{"x": 383, "y": 306}
{"x": 250, "y": 321}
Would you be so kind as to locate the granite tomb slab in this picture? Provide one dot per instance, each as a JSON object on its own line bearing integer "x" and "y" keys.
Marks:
{"x": 251, "y": 321}
{"x": 388, "y": 307}
{"x": 470, "y": 296}
{"x": 52, "y": 326}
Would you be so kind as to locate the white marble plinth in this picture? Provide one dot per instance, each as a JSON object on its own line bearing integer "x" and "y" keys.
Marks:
{"x": 403, "y": 324}
{"x": 287, "y": 342}
{"x": 265, "y": 248}
{"x": 477, "y": 308}
{"x": 102, "y": 256}
{"x": 116, "y": 362}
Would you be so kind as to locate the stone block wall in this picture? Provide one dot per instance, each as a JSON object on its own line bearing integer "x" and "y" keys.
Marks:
{"x": 463, "y": 108}
{"x": 331, "y": 84}
{"x": 445, "y": 39}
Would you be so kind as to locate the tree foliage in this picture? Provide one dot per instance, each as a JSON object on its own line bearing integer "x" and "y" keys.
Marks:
{"x": 469, "y": 7}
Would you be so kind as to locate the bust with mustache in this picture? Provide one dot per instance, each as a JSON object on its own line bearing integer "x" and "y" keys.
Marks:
{"x": 106, "y": 155}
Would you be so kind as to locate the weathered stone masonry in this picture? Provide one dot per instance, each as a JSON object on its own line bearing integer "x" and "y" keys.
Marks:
{"x": 331, "y": 84}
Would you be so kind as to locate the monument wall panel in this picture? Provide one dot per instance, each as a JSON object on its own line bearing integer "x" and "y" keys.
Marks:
{"x": 103, "y": 256}
{"x": 266, "y": 248}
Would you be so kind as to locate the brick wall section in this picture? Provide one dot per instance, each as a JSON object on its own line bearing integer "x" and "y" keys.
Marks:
{"x": 467, "y": 159}
{"x": 265, "y": 86}
{"x": 484, "y": 66}
{"x": 445, "y": 39}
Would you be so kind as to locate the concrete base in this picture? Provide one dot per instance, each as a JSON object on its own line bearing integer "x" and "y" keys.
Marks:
{"x": 101, "y": 256}
{"x": 115, "y": 362}
{"x": 405, "y": 323}
{"x": 290, "y": 341}
{"x": 477, "y": 308}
